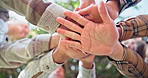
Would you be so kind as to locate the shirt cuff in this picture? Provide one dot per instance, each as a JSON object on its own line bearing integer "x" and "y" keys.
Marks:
{"x": 48, "y": 19}
{"x": 48, "y": 64}
{"x": 86, "y": 73}
{"x": 38, "y": 44}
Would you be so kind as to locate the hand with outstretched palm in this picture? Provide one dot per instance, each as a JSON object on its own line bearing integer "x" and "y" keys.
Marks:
{"x": 95, "y": 38}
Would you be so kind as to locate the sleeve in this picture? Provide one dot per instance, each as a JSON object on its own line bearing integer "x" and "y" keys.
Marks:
{"x": 41, "y": 66}
{"x": 3, "y": 30}
{"x": 86, "y": 73}
{"x": 124, "y": 4}
{"x": 132, "y": 65}
{"x": 14, "y": 54}
{"x": 134, "y": 27}
{"x": 37, "y": 12}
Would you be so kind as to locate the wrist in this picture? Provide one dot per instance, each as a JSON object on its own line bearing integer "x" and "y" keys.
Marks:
{"x": 117, "y": 53}
{"x": 59, "y": 57}
{"x": 87, "y": 65}
{"x": 54, "y": 40}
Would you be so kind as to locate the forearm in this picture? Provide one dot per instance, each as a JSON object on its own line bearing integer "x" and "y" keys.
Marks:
{"x": 19, "y": 52}
{"x": 43, "y": 65}
{"x": 133, "y": 27}
{"x": 131, "y": 64}
{"x": 124, "y": 4}
{"x": 36, "y": 12}
{"x": 54, "y": 40}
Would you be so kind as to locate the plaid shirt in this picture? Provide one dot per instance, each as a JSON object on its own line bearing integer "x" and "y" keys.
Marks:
{"x": 132, "y": 65}
{"x": 42, "y": 14}
{"x": 124, "y": 4}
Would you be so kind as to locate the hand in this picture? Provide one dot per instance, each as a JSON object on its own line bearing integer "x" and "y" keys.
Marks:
{"x": 64, "y": 52}
{"x": 95, "y": 38}
{"x": 92, "y": 13}
{"x": 17, "y": 29}
{"x": 85, "y": 3}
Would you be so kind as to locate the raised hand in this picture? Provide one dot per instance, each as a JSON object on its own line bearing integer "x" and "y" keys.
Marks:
{"x": 63, "y": 52}
{"x": 92, "y": 13}
{"x": 85, "y": 3}
{"x": 95, "y": 38}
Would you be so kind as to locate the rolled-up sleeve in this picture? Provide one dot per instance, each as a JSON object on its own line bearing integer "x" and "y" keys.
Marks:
{"x": 134, "y": 27}
{"x": 124, "y": 4}
{"x": 132, "y": 65}
{"x": 37, "y": 12}
{"x": 86, "y": 73}
{"x": 40, "y": 67}
{"x": 17, "y": 53}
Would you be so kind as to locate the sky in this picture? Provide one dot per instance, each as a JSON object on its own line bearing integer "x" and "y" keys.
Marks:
{"x": 143, "y": 9}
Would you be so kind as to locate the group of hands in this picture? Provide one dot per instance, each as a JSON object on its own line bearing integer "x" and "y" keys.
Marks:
{"x": 89, "y": 31}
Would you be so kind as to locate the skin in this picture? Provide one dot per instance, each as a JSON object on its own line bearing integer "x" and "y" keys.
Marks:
{"x": 91, "y": 12}
{"x": 17, "y": 30}
{"x": 93, "y": 34}
{"x": 85, "y": 3}
{"x": 93, "y": 37}
{"x": 65, "y": 52}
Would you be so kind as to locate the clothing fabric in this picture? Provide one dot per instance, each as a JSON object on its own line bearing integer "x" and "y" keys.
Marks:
{"x": 124, "y": 4}
{"x": 86, "y": 73}
{"x": 37, "y": 12}
{"x": 132, "y": 65}
{"x": 15, "y": 54}
{"x": 3, "y": 30}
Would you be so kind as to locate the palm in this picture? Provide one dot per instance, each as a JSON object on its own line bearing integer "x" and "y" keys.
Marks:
{"x": 93, "y": 37}
{"x": 96, "y": 37}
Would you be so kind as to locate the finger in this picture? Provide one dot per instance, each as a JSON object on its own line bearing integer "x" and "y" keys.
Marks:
{"x": 76, "y": 17}
{"x": 85, "y": 11}
{"x": 76, "y": 9}
{"x": 69, "y": 24}
{"x": 73, "y": 44}
{"x": 69, "y": 34}
{"x": 103, "y": 12}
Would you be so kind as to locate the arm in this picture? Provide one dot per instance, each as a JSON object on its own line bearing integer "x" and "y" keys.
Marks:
{"x": 124, "y": 4}
{"x": 50, "y": 61}
{"x": 129, "y": 63}
{"x": 36, "y": 12}
{"x": 17, "y": 53}
{"x": 133, "y": 27}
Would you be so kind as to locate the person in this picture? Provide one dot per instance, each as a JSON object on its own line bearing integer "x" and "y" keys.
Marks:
{"x": 40, "y": 15}
{"x": 105, "y": 36}
{"x": 17, "y": 29}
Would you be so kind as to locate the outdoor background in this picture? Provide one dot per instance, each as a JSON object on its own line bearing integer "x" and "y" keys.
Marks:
{"x": 104, "y": 69}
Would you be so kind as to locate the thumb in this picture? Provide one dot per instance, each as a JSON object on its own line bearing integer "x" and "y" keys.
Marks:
{"x": 76, "y": 9}
{"x": 104, "y": 12}
{"x": 86, "y": 11}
